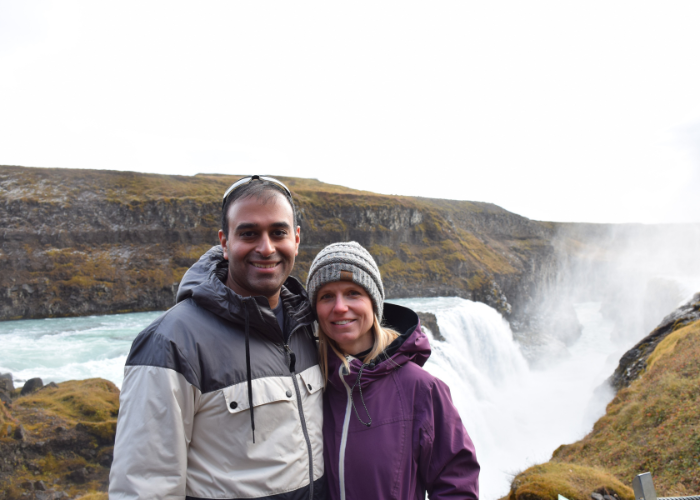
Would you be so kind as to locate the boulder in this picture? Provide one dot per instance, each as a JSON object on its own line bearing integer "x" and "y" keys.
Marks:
{"x": 19, "y": 433}
{"x": 6, "y": 388}
{"x": 78, "y": 476}
{"x": 31, "y": 385}
{"x": 429, "y": 321}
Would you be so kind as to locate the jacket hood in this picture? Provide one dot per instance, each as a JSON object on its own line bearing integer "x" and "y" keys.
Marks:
{"x": 411, "y": 345}
{"x": 204, "y": 283}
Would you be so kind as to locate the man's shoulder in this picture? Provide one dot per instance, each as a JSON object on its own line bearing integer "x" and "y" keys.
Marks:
{"x": 175, "y": 338}
{"x": 184, "y": 319}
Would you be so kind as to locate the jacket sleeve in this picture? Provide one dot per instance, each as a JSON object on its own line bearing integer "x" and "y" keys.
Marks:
{"x": 447, "y": 463}
{"x": 154, "y": 428}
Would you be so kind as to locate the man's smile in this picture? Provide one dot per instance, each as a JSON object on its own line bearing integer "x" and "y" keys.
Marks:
{"x": 264, "y": 266}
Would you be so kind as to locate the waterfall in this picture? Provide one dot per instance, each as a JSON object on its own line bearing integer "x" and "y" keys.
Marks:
{"x": 516, "y": 416}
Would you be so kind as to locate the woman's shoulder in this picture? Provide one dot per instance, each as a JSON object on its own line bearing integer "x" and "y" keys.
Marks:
{"x": 411, "y": 373}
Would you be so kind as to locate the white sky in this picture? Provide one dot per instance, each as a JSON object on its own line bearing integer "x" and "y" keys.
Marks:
{"x": 566, "y": 111}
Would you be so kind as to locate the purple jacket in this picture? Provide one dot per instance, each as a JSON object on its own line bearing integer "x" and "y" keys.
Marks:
{"x": 416, "y": 441}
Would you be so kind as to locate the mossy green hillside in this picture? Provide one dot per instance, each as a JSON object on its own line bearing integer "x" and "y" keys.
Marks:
{"x": 67, "y": 438}
{"x": 651, "y": 426}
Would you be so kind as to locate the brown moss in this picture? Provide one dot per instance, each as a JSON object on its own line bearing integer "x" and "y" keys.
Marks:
{"x": 381, "y": 252}
{"x": 95, "y": 496}
{"x": 92, "y": 400}
{"x": 575, "y": 482}
{"x": 477, "y": 280}
{"x": 6, "y": 419}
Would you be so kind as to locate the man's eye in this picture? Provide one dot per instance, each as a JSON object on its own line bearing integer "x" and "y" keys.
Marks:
{"x": 247, "y": 234}
{"x": 280, "y": 233}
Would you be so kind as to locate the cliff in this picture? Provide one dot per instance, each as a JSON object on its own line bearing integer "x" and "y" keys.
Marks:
{"x": 78, "y": 242}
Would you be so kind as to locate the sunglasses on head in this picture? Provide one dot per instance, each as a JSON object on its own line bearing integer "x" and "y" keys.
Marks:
{"x": 248, "y": 180}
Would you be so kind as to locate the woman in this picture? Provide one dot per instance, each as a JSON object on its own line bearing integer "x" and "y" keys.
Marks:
{"x": 390, "y": 428}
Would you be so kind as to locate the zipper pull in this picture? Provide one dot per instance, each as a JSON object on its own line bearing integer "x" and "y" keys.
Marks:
{"x": 292, "y": 358}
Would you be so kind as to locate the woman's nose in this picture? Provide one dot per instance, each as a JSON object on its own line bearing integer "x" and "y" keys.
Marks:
{"x": 340, "y": 305}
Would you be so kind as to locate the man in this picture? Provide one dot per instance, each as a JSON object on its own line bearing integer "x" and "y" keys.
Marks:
{"x": 222, "y": 394}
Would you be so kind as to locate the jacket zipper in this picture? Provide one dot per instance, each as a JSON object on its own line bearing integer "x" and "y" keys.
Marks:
{"x": 344, "y": 438}
{"x": 292, "y": 368}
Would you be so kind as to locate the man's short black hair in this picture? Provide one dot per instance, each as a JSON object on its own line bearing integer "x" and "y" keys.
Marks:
{"x": 264, "y": 191}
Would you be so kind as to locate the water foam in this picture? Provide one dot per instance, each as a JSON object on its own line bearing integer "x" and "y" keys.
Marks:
{"x": 69, "y": 348}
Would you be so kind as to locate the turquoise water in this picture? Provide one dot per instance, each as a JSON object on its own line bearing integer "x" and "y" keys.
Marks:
{"x": 59, "y": 349}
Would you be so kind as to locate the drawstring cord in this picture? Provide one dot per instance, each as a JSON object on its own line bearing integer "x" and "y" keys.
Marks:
{"x": 357, "y": 383}
{"x": 247, "y": 367}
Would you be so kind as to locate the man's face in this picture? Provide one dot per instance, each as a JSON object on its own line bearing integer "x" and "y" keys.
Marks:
{"x": 260, "y": 247}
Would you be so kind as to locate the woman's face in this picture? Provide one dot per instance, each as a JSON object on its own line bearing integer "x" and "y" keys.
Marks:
{"x": 345, "y": 314}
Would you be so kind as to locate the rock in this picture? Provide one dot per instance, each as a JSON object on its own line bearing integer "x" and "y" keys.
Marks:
{"x": 106, "y": 459}
{"x": 596, "y": 496}
{"x": 429, "y": 321}
{"x": 634, "y": 361}
{"x": 28, "y": 485}
{"x": 40, "y": 486}
{"x": 6, "y": 381}
{"x": 19, "y": 433}
{"x": 6, "y": 388}
{"x": 78, "y": 476}
{"x": 31, "y": 385}
{"x": 51, "y": 385}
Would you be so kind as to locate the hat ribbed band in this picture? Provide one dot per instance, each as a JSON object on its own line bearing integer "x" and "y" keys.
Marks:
{"x": 351, "y": 257}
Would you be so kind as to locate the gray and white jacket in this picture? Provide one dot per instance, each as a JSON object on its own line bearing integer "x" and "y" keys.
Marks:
{"x": 215, "y": 404}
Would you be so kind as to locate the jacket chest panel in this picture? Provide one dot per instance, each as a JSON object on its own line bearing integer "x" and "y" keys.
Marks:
{"x": 222, "y": 437}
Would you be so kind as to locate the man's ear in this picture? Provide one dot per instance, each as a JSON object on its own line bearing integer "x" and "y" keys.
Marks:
{"x": 223, "y": 239}
{"x": 297, "y": 240}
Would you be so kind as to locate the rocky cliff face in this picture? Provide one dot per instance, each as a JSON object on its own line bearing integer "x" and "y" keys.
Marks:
{"x": 78, "y": 242}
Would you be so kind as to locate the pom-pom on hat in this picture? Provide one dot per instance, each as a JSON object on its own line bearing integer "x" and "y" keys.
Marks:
{"x": 347, "y": 261}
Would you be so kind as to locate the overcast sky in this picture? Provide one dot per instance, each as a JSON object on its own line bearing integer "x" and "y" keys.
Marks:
{"x": 564, "y": 111}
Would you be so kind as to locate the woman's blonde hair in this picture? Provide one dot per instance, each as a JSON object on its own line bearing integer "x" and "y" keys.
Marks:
{"x": 382, "y": 338}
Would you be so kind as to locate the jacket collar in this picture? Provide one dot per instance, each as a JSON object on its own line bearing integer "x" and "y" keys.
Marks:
{"x": 204, "y": 283}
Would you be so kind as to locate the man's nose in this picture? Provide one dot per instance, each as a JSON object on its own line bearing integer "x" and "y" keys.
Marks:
{"x": 265, "y": 246}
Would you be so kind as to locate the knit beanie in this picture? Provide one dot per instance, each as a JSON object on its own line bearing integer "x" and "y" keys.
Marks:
{"x": 347, "y": 261}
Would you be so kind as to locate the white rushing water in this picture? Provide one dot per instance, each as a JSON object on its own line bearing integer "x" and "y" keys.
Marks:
{"x": 59, "y": 349}
{"x": 515, "y": 416}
